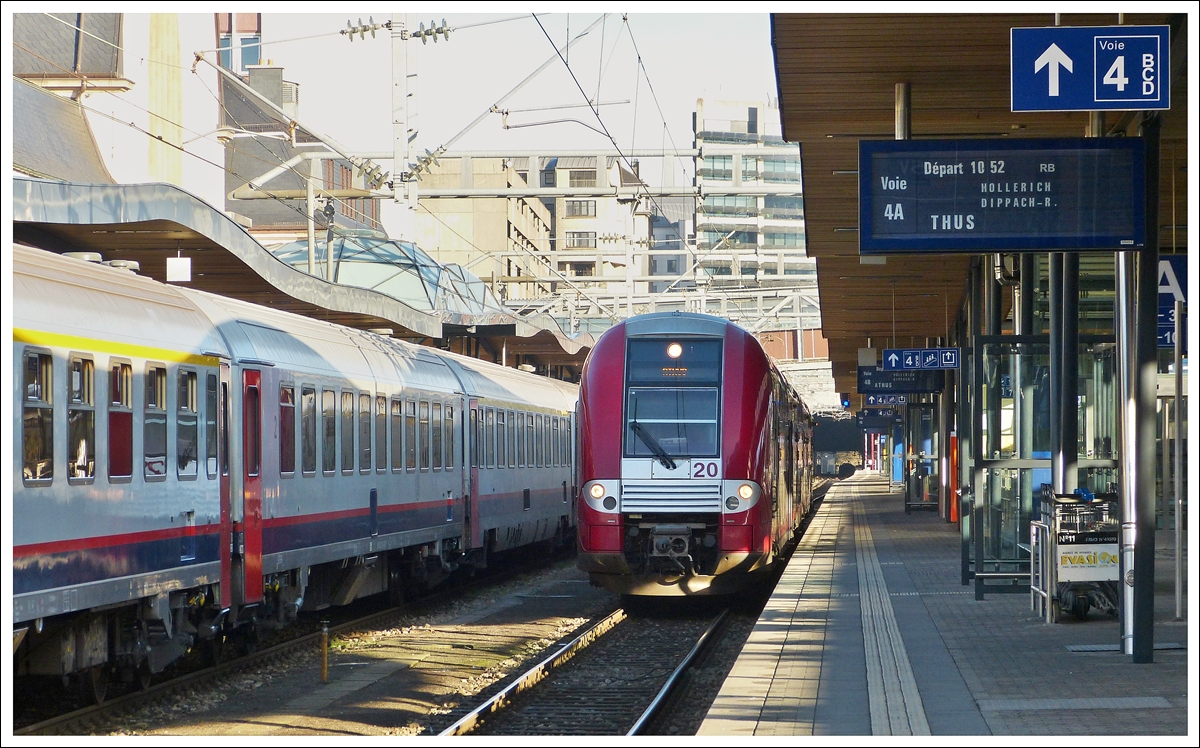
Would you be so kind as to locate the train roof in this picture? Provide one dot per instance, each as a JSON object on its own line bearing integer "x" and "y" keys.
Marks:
{"x": 87, "y": 301}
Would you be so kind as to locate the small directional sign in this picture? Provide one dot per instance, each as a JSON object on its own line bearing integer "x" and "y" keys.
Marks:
{"x": 920, "y": 358}
{"x": 1172, "y": 285}
{"x": 879, "y": 412}
{"x": 1089, "y": 68}
{"x": 887, "y": 399}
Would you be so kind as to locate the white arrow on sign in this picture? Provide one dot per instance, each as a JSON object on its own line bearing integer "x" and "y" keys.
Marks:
{"x": 893, "y": 359}
{"x": 1053, "y": 56}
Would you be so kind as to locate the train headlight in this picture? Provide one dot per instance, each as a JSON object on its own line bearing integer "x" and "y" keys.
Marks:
{"x": 746, "y": 491}
{"x": 596, "y": 490}
{"x": 674, "y": 350}
{"x": 610, "y": 503}
{"x": 731, "y": 503}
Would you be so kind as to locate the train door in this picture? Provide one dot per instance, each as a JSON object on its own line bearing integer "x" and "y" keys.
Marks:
{"x": 471, "y": 450}
{"x": 226, "y": 542}
{"x": 252, "y": 485}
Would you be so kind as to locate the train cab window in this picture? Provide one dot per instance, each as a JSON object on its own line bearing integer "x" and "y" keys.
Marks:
{"x": 410, "y": 435}
{"x": 328, "y": 432}
{"x": 154, "y": 425}
{"x": 120, "y": 422}
{"x": 37, "y": 417}
{"x": 449, "y": 437}
{"x": 187, "y": 426}
{"x": 424, "y": 437}
{"x": 519, "y": 442}
{"x": 381, "y": 446}
{"x": 81, "y": 421}
{"x": 489, "y": 437}
{"x": 474, "y": 437}
{"x": 397, "y": 435}
{"x": 364, "y": 433}
{"x": 436, "y": 439}
{"x": 672, "y": 401}
{"x": 287, "y": 430}
{"x": 501, "y": 438}
{"x": 512, "y": 439}
{"x": 308, "y": 430}
{"x": 210, "y": 426}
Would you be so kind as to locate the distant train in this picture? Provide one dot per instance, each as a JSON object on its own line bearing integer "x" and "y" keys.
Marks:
{"x": 695, "y": 458}
{"x": 189, "y": 468}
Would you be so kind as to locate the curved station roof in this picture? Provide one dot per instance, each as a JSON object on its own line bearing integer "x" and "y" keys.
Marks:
{"x": 379, "y": 283}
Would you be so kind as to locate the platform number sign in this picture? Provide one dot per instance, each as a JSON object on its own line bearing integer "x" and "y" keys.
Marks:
{"x": 1172, "y": 286}
{"x": 1086, "y": 68}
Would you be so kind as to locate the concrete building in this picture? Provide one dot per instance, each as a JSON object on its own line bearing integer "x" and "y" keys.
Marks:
{"x": 750, "y": 218}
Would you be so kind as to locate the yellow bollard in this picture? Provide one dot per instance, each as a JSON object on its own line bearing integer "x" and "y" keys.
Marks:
{"x": 324, "y": 651}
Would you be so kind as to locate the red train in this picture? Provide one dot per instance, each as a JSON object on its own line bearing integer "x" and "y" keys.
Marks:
{"x": 695, "y": 458}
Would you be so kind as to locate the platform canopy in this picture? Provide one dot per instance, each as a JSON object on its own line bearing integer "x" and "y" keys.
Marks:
{"x": 837, "y": 76}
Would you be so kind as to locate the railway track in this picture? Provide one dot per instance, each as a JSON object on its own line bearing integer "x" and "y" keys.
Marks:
{"x": 618, "y": 686}
{"x": 82, "y": 721}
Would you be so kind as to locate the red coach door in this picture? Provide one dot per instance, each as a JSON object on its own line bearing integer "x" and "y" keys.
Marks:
{"x": 226, "y": 549}
{"x": 252, "y": 484}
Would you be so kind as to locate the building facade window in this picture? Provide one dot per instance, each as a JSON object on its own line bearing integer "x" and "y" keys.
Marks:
{"x": 579, "y": 208}
{"x": 781, "y": 170}
{"x": 783, "y": 206}
{"x": 730, "y": 205}
{"x": 581, "y": 240}
{"x": 239, "y": 40}
{"x": 717, "y": 168}
{"x": 583, "y": 178}
{"x": 784, "y": 239}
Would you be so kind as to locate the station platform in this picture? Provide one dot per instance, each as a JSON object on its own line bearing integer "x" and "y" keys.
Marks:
{"x": 870, "y": 632}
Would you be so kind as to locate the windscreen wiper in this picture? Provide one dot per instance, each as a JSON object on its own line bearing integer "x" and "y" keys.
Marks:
{"x": 649, "y": 440}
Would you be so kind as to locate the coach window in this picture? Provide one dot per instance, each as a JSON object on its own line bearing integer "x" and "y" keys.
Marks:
{"x": 308, "y": 430}
{"x": 449, "y": 437}
{"x": 187, "y": 425}
{"x": 424, "y": 437}
{"x": 557, "y": 442}
{"x": 37, "y": 415}
{"x": 511, "y": 439}
{"x": 81, "y": 421}
{"x": 120, "y": 422}
{"x": 381, "y": 446}
{"x": 364, "y": 433}
{"x": 210, "y": 426}
{"x": 328, "y": 432}
{"x": 474, "y": 437}
{"x": 489, "y": 437}
{"x": 436, "y": 440}
{"x": 397, "y": 436}
{"x": 154, "y": 427}
{"x": 410, "y": 435}
{"x": 253, "y": 437}
{"x": 519, "y": 441}
{"x": 287, "y": 430}
{"x": 347, "y": 432}
{"x": 530, "y": 441}
{"x": 538, "y": 453}
{"x": 501, "y": 437}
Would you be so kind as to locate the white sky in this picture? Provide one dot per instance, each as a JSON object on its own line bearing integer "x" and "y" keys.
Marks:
{"x": 345, "y": 86}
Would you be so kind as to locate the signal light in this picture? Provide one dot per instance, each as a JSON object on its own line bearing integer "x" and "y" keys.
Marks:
{"x": 845, "y": 400}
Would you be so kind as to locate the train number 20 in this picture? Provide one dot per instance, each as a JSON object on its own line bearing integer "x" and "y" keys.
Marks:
{"x": 701, "y": 469}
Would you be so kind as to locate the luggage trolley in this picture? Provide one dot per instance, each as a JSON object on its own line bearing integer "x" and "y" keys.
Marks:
{"x": 1076, "y": 554}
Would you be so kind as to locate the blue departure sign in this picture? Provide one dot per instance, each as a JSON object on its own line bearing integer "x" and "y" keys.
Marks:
{"x": 887, "y": 399}
{"x": 937, "y": 196}
{"x": 1090, "y": 68}
{"x": 877, "y": 381}
{"x": 899, "y": 359}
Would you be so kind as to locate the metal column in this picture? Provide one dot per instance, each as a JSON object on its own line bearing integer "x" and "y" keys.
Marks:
{"x": 1147, "y": 381}
{"x": 977, "y": 518}
{"x": 1068, "y": 381}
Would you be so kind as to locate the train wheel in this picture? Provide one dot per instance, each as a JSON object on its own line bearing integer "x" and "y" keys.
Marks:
{"x": 93, "y": 684}
{"x": 144, "y": 676}
{"x": 214, "y": 649}
{"x": 1080, "y": 606}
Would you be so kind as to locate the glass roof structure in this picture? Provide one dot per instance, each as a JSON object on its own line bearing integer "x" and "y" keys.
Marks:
{"x": 405, "y": 272}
